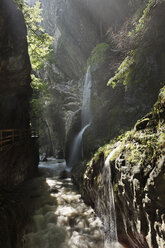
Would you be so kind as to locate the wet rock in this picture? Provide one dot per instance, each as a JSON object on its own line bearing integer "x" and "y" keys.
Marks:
{"x": 137, "y": 175}
{"x": 44, "y": 158}
{"x": 60, "y": 154}
{"x": 141, "y": 124}
{"x": 63, "y": 174}
{"x": 53, "y": 190}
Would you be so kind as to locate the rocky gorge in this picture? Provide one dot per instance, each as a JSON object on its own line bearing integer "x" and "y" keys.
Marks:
{"x": 78, "y": 37}
{"x": 114, "y": 52}
{"x": 138, "y": 165}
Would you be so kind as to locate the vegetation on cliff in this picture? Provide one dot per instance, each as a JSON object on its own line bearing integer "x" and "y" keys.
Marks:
{"x": 146, "y": 35}
{"x": 144, "y": 143}
{"x": 39, "y": 42}
{"x": 137, "y": 174}
{"x": 130, "y": 52}
{"x": 39, "y": 48}
{"x": 137, "y": 164}
{"x": 98, "y": 54}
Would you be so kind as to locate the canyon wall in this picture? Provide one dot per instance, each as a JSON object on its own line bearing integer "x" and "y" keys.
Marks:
{"x": 77, "y": 27}
{"x": 89, "y": 33}
{"x": 138, "y": 168}
{"x": 19, "y": 158}
{"x": 123, "y": 44}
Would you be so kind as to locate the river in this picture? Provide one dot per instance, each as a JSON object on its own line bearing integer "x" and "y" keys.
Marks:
{"x": 61, "y": 219}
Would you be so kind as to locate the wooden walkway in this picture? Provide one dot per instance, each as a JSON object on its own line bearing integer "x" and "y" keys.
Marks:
{"x": 9, "y": 137}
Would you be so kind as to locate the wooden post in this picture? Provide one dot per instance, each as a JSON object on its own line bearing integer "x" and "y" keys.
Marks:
{"x": 13, "y": 136}
{"x": 1, "y": 148}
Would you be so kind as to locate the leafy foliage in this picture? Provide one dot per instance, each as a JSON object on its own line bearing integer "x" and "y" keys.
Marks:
{"x": 142, "y": 20}
{"x": 39, "y": 41}
{"x": 136, "y": 58}
{"x": 39, "y": 48}
{"x": 123, "y": 73}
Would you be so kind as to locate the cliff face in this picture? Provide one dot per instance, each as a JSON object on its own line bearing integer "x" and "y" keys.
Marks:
{"x": 136, "y": 66}
{"x": 138, "y": 167}
{"x": 15, "y": 93}
{"x": 93, "y": 33}
{"x": 19, "y": 159}
{"x": 75, "y": 35}
{"x": 14, "y": 68}
{"x": 137, "y": 157}
{"x": 77, "y": 26}
{"x": 81, "y": 40}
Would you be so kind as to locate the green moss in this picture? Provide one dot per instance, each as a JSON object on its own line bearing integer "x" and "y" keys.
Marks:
{"x": 132, "y": 155}
{"x": 161, "y": 99}
{"x": 124, "y": 73}
{"x": 143, "y": 146}
{"x": 115, "y": 191}
{"x": 141, "y": 124}
{"x": 140, "y": 18}
{"x": 141, "y": 24}
{"x": 135, "y": 68}
{"x": 117, "y": 152}
{"x": 98, "y": 54}
{"x": 142, "y": 150}
{"x": 104, "y": 149}
{"x": 107, "y": 148}
{"x": 161, "y": 141}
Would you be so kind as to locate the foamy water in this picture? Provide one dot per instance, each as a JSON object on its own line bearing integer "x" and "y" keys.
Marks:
{"x": 62, "y": 219}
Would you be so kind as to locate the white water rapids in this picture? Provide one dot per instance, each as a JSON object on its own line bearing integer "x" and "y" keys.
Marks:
{"x": 61, "y": 218}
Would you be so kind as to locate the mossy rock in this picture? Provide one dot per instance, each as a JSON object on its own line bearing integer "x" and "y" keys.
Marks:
{"x": 98, "y": 54}
{"x": 141, "y": 124}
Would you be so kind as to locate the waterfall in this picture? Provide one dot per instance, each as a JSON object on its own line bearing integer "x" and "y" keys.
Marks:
{"x": 86, "y": 113}
{"x": 77, "y": 151}
{"x": 106, "y": 205}
{"x": 76, "y": 148}
{"x": 111, "y": 235}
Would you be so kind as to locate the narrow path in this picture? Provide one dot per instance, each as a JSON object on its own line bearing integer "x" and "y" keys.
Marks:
{"x": 61, "y": 218}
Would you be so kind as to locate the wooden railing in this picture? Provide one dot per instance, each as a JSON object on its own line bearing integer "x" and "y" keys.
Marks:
{"x": 9, "y": 137}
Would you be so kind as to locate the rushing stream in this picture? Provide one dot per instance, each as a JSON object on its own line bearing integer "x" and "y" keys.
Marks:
{"x": 61, "y": 218}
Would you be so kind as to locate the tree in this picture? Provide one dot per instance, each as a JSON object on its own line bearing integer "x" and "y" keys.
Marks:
{"x": 39, "y": 47}
{"x": 39, "y": 42}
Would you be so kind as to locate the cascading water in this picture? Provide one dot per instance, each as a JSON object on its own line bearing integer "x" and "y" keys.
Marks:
{"x": 106, "y": 205}
{"x": 60, "y": 218}
{"x": 86, "y": 112}
{"x": 77, "y": 151}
